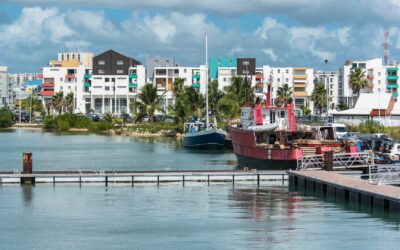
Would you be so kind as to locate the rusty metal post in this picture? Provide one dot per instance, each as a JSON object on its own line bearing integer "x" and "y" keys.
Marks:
{"x": 27, "y": 169}
{"x": 328, "y": 161}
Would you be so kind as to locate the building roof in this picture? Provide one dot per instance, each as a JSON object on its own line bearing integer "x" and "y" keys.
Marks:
{"x": 369, "y": 101}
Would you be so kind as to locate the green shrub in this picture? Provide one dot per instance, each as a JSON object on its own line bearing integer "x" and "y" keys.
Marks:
{"x": 62, "y": 125}
{"x": 100, "y": 126}
{"x": 50, "y": 122}
{"x": 370, "y": 127}
{"x": 6, "y": 118}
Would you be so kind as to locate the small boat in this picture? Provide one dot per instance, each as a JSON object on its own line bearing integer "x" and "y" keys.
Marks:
{"x": 203, "y": 135}
{"x": 197, "y": 136}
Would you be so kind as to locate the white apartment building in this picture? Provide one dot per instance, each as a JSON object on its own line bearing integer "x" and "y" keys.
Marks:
{"x": 375, "y": 72}
{"x": 164, "y": 78}
{"x": 330, "y": 81}
{"x": 4, "y": 87}
{"x": 113, "y": 83}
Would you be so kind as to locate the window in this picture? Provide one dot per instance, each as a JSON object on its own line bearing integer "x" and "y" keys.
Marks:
{"x": 120, "y": 71}
{"x": 184, "y": 70}
{"x": 379, "y": 73}
{"x": 101, "y": 71}
{"x": 97, "y": 87}
{"x": 67, "y": 57}
{"x": 379, "y": 81}
{"x": 107, "y": 88}
{"x": 279, "y": 71}
{"x": 69, "y": 87}
{"x": 246, "y": 63}
{"x": 106, "y": 79}
{"x": 73, "y": 56}
{"x": 120, "y": 62}
{"x": 79, "y": 57}
{"x": 224, "y": 79}
{"x": 61, "y": 88}
{"x": 121, "y": 87}
{"x": 113, "y": 79}
{"x": 279, "y": 79}
{"x": 102, "y": 62}
{"x": 62, "y": 57}
{"x": 330, "y": 79}
{"x": 287, "y": 79}
{"x": 287, "y": 71}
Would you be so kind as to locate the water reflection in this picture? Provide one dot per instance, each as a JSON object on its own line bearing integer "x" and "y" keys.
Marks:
{"x": 27, "y": 194}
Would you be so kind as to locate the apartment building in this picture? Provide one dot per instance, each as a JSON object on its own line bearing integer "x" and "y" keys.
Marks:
{"x": 113, "y": 83}
{"x": 165, "y": 76}
{"x": 380, "y": 79}
{"x": 330, "y": 81}
{"x": 4, "y": 87}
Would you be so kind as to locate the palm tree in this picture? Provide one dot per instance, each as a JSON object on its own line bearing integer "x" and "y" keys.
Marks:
{"x": 188, "y": 103}
{"x": 240, "y": 90}
{"x": 284, "y": 94}
{"x": 58, "y": 101}
{"x": 177, "y": 87}
{"x": 148, "y": 102}
{"x": 318, "y": 96}
{"x": 214, "y": 96}
{"x": 69, "y": 102}
{"x": 357, "y": 80}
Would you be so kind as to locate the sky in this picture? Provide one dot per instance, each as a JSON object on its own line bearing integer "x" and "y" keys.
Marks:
{"x": 280, "y": 33}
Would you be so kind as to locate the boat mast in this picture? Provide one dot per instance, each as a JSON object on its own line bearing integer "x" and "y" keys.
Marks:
{"x": 207, "y": 118}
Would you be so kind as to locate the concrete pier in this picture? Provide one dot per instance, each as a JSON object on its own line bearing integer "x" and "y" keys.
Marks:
{"x": 341, "y": 188}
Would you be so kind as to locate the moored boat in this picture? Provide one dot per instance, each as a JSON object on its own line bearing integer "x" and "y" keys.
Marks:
{"x": 267, "y": 138}
{"x": 199, "y": 137}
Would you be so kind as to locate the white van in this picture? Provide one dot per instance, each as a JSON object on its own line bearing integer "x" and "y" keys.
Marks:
{"x": 340, "y": 129}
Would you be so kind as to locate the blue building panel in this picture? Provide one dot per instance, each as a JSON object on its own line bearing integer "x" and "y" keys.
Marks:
{"x": 216, "y": 62}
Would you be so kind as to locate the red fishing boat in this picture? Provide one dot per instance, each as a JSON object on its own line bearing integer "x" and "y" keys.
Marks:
{"x": 267, "y": 138}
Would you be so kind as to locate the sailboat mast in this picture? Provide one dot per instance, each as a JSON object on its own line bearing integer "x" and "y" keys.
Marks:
{"x": 207, "y": 118}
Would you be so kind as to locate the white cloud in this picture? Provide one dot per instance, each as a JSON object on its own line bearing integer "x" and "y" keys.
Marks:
{"x": 43, "y": 32}
{"x": 161, "y": 27}
{"x": 271, "y": 54}
{"x": 343, "y": 35}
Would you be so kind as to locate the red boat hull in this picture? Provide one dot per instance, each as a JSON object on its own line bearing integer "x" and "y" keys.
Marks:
{"x": 253, "y": 157}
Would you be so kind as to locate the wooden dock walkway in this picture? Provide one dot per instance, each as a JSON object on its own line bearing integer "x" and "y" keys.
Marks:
{"x": 346, "y": 188}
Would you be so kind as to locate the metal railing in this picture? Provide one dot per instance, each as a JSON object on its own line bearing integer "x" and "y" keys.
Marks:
{"x": 340, "y": 161}
{"x": 384, "y": 174}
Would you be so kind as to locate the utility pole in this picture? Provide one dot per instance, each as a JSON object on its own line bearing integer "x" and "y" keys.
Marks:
{"x": 30, "y": 107}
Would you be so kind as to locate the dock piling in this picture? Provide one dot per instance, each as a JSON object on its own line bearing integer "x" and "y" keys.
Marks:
{"x": 133, "y": 180}
{"x": 27, "y": 169}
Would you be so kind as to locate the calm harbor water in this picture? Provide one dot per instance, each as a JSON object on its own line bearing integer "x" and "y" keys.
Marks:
{"x": 175, "y": 217}
{"x": 97, "y": 152}
{"x": 196, "y": 216}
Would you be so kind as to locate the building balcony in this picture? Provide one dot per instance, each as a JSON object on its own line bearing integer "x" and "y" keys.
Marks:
{"x": 392, "y": 77}
{"x": 86, "y": 84}
{"x": 87, "y": 76}
{"x": 392, "y": 69}
{"x": 395, "y": 94}
{"x": 47, "y": 85}
{"x": 39, "y": 76}
{"x": 259, "y": 77}
{"x": 370, "y": 77}
{"x": 70, "y": 76}
{"x": 300, "y": 77}
{"x": 300, "y": 94}
{"x": 260, "y": 86}
{"x": 392, "y": 86}
{"x": 133, "y": 76}
{"x": 196, "y": 85}
{"x": 197, "y": 76}
{"x": 47, "y": 93}
{"x": 299, "y": 85}
{"x": 259, "y": 90}
{"x": 133, "y": 85}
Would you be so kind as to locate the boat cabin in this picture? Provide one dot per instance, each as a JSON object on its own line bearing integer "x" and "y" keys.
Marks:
{"x": 196, "y": 126}
{"x": 256, "y": 117}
